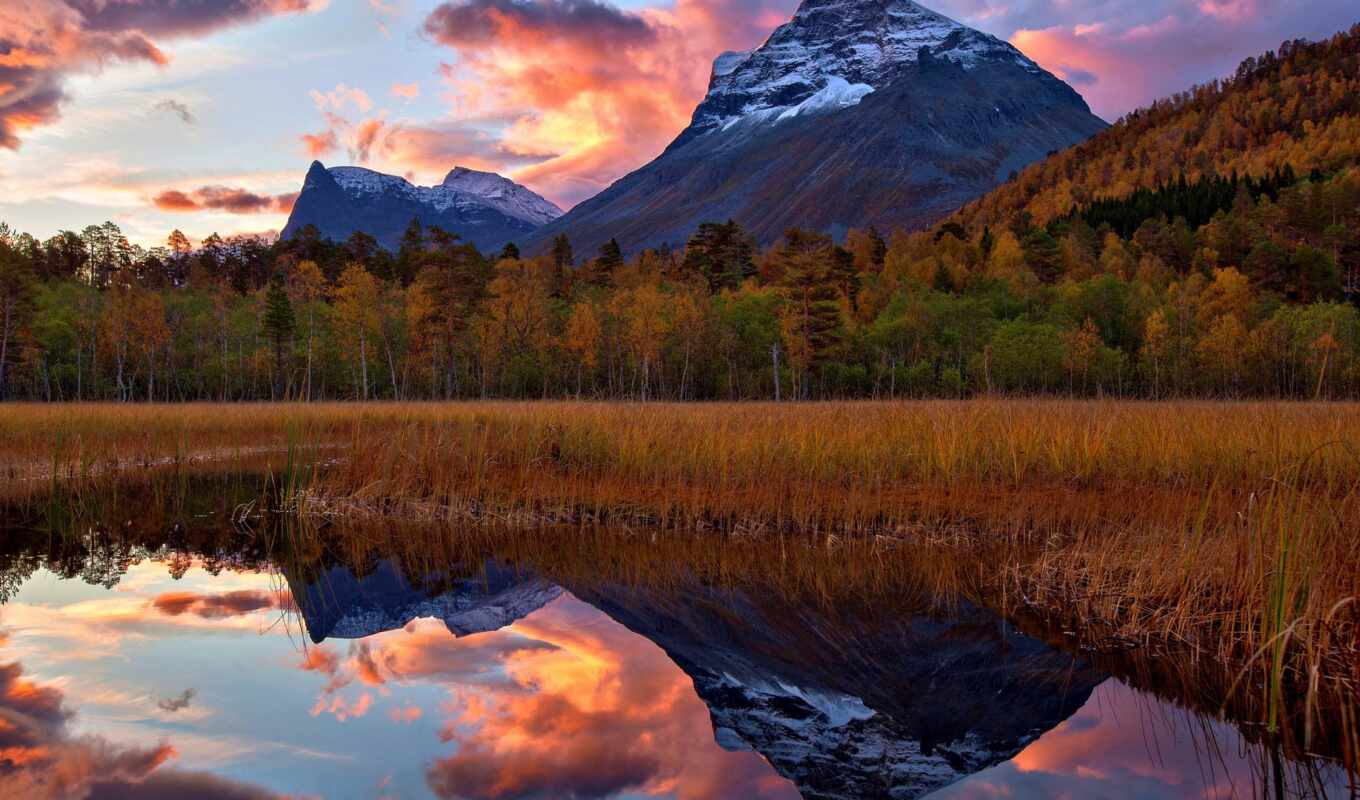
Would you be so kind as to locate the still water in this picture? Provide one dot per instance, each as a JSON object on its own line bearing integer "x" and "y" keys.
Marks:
{"x": 159, "y": 672}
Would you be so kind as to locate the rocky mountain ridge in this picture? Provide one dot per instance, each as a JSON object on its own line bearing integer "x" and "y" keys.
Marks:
{"x": 482, "y": 207}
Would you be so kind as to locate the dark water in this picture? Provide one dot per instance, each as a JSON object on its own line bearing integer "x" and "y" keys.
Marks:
{"x": 156, "y": 671}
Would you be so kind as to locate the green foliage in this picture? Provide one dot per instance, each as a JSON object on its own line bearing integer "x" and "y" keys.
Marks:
{"x": 1026, "y": 357}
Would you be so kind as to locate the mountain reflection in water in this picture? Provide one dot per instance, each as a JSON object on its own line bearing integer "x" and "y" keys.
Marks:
{"x": 490, "y": 682}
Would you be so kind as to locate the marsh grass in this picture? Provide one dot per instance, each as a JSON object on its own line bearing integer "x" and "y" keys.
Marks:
{"x": 1223, "y": 532}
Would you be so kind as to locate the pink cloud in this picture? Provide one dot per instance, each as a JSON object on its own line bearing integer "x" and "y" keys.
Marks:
{"x": 588, "y": 91}
{"x": 233, "y": 201}
{"x": 317, "y": 145}
{"x": 44, "y": 41}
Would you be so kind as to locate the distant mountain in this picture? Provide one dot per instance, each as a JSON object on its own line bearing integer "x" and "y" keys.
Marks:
{"x": 340, "y": 605}
{"x": 855, "y": 113}
{"x": 482, "y": 207}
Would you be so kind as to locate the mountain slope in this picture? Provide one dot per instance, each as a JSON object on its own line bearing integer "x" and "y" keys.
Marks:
{"x": 1298, "y": 107}
{"x": 484, "y": 208}
{"x": 856, "y": 112}
{"x": 883, "y": 701}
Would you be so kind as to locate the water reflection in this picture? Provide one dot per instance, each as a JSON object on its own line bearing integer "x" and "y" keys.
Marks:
{"x": 228, "y": 676}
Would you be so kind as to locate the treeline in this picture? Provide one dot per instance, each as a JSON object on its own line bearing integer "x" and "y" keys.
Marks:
{"x": 1297, "y": 107}
{"x": 1259, "y": 301}
{"x": 1195, "y": 203}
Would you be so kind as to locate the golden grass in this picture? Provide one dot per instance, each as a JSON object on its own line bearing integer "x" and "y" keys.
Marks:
{"x": 1225, "y": 530}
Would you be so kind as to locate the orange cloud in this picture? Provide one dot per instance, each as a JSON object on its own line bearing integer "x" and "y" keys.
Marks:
{"x": 224, "y": 198}
{"x": 574, "y": 705}
{"x": 406, "y": 91}
{"x": 43, "y": 41}
{"x": 342, "y": 710}
{"x": 319, "y": 144}
{"x": 587, "y": 91}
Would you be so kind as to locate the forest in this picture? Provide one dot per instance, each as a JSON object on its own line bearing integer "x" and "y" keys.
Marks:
{"x": 1227, "y": 265}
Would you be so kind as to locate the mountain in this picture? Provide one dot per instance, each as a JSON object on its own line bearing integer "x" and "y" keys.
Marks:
{"x": 857, "y": 703}
{"x": 854, "y": 113}
{"x": 340, "y": 605}
{"x": 484, "y": 208}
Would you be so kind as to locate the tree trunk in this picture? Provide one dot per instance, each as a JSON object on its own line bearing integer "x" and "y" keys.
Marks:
{"x": 774, "y": 351}
{"x": 310, "y": 334}
{"x": 363, "y": 363}
{"x": 4, "y": 348}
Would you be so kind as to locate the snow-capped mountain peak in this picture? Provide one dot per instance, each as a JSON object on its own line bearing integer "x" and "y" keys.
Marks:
{"x": 462, "y": 188}
{"x": 832, "y": 54}
{"x": 503, "y": 194}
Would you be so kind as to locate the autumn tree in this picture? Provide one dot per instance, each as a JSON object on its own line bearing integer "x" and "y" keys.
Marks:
{"x": 16, "y": 298}
{"x": 356, "y": 308}
{"x": 279, "y": 324}
{"x": 307, "y": 287}
{"x": 811, "y": 316}
{"x": 582, "y": 340}
{"x": 454, "y": 279}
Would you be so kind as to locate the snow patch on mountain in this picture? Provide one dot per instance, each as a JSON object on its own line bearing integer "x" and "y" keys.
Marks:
{"x": 727, "y": 63}
{"x": 832, "y": 54}
{"x": 463, "y": 613}
{"x": 838, "y": 93}
{"x": 502, "y": 194}
{"x": 462, "y": 190}
{"x": 810, "y": 734}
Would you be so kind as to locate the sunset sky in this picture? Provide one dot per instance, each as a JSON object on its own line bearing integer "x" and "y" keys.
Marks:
{"x": 203, "y": 116}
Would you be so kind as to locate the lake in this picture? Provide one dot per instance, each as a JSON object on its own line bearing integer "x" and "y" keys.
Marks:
{"x": 207, "y": 660}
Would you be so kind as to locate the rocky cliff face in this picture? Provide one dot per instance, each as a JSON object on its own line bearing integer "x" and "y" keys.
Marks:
{"x": 854, "y": 113}
{"x": 484, "y": 208}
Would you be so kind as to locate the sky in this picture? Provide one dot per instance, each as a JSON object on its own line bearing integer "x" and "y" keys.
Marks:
{"x": 204, "y": 115}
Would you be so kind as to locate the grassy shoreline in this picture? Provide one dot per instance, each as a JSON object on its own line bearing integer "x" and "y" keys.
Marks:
{"x": 1225, "y": 530}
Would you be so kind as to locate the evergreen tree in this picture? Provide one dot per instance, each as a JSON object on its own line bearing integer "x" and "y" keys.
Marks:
{"x": 563, "y": 258}
{"x": 880, "y": 256}
{"x": 411, "y": 252}
{"x": 722, "y": 253}
{"x": 609, "y": 261}
{"x": 279, "y": 324}
{"x": 509, "y": 252}
{"x": 811, "y": 319}
{"x": 1043, "y": 255}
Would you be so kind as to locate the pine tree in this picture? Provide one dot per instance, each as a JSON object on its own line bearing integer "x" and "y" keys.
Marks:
{"x": 562, "y": 256}
{"x": 723, "y": 254}
{"x": 510, "y": 252}
{"x": 279, "y": 324}
{"x": 563, "y": 260}
{"x": 411, "y": 253}
{"x": 609, "y": 261}
{"x": 811, "y": 322}
{"x": 1043, "y": 255}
